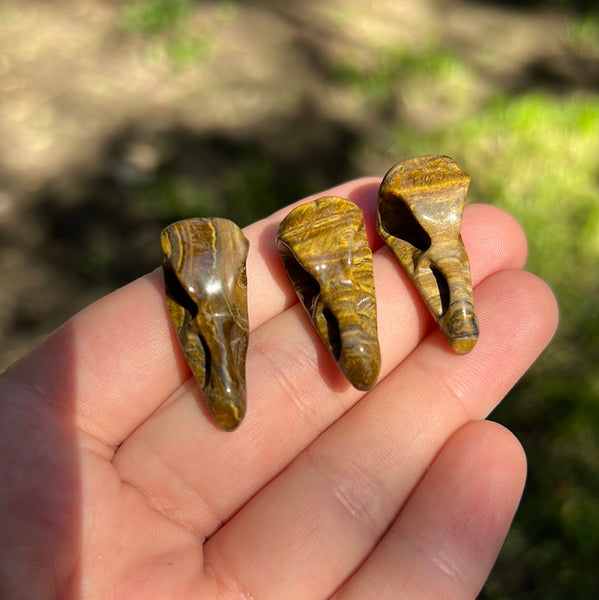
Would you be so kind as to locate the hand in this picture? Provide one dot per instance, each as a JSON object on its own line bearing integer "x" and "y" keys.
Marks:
{"x": 116, "y": 483}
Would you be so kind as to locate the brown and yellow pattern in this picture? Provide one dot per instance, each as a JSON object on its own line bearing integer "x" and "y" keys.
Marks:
{"x": 326, "y": 255}
{"x": 206, "y": 290}
{"x": 420, "y": 206}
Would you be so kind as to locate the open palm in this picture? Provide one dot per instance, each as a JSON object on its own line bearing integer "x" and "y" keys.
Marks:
{"x": 117, "y": 484}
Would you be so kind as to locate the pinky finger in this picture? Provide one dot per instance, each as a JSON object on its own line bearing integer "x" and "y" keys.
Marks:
{"x": 446, "y": 538}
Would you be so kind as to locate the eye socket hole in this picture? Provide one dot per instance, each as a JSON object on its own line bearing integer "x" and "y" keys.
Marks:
{"x": 306, "y": 287}
{"x": 176, "y": 292}
{"x": 397, "y": 219}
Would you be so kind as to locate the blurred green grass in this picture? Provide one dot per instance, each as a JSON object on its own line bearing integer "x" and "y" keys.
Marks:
{"x": 536, "y": 156}
{"x": 154, "y": 17}
{"x": 167, "y": 30}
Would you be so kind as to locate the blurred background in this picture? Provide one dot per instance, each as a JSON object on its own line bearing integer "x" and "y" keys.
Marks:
{"x": 120, "y": 116}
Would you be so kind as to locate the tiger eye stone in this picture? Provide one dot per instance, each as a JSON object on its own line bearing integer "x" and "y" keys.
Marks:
{"x": 206, "y": 294}
{"x": 325, "y": 252}
{"x": 420, "y": 207}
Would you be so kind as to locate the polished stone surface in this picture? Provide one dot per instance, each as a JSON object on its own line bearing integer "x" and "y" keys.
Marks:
{"x": 420, "y": 207}
{"x": 206, "y": 292}
{"x": 324, "y": 249}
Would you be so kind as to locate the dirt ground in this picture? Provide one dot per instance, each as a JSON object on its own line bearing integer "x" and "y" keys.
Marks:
{"x": 88, "y": 111}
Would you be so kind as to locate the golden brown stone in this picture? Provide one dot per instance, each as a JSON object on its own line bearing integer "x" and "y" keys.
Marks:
{"x": 206, "y": 292}
{"x": 420, "y": 206}
{"x": 326, "y": 255}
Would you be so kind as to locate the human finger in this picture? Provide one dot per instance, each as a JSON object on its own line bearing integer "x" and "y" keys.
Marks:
{"x": 323, "y": 515}
{"x": 295, "y": 391}
{"x": 449, "y": 533}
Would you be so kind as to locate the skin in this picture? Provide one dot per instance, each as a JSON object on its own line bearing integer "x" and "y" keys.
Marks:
{"x": 117, "y": 484}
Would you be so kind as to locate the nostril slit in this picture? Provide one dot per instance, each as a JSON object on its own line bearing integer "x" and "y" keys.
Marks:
{"x": 207, "y": 362}
{"x": 333, "y": 334}
{"x": 443, "y": 288}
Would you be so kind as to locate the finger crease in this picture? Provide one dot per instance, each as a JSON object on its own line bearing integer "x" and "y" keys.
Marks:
{"x": 360, "y": 495}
